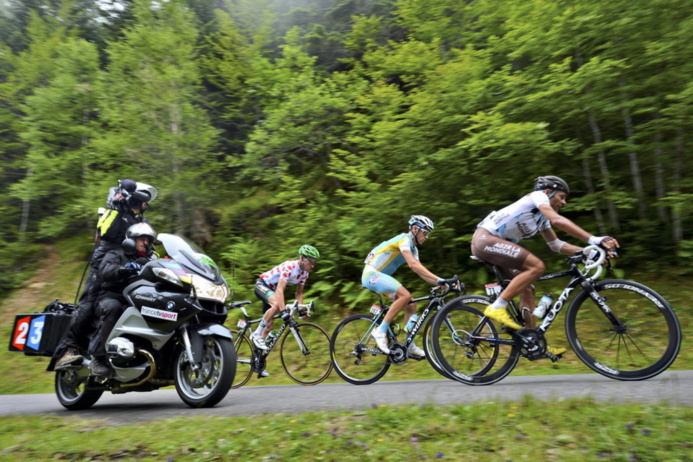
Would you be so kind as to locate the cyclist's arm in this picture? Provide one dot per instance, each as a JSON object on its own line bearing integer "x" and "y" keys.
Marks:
{"x": 419, "y": 269}
{"x": 299, "y": 293}
{"x": 281, "y": 287}
{"x": 551, "y": 239}
{"x": 563, "y": 223}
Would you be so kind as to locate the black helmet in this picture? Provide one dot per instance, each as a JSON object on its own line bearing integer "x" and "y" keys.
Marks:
{"x": 551, "y": 182}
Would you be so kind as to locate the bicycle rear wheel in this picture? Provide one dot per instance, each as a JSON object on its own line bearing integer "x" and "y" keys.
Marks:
{"x": 354, "y": 353}
{"x": 470, "y": 347}
{"x": 307, "y": 364}
{"x": 637, "y": 339}
{"x": 244, "y": 355}
{"x": 477, "y": 301}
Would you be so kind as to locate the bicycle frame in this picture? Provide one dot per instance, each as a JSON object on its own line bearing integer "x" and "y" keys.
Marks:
{"x": 578, "y": 278}
{"x": 435, "y": 300}
{"x": 291, "y": 324}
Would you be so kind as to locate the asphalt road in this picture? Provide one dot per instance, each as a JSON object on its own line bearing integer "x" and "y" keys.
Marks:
{"x": 675, "y": 387}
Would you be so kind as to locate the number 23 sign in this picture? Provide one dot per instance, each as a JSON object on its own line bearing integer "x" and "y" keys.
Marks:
{"x": 27, "y": 332}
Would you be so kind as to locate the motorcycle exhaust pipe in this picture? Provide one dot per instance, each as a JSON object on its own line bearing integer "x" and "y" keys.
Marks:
{"x": 152, "y": 370}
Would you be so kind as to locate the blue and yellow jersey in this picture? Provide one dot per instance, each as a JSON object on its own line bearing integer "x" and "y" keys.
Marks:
{"x": 387, "y": 256}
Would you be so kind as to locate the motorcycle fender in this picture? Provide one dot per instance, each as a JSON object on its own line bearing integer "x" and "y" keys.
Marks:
{"x": 204, "y": 330}
{"x": 213, "y": 329}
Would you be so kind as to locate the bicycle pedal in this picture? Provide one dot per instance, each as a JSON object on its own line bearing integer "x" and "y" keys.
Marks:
{"x": 553, "y": 357}
{"x": 416, "y": 357}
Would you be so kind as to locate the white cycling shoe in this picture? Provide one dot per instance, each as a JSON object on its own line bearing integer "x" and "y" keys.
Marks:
{"x": 380, "y": 338}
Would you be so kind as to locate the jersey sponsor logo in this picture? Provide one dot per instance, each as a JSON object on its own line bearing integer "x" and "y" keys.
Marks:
{"x": 159, "y": 314}
{"x": 509, "y": 250}
{"x": 524, "y": 230}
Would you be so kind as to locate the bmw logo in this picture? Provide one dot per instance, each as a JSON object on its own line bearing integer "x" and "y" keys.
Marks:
{"x": 170, "y": 306}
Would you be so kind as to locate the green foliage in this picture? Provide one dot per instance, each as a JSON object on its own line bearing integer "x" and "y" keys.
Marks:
{"x": 268, "y": 124}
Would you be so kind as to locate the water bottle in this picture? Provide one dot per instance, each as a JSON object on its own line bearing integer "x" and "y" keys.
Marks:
{"x": 543, "y": 305}
{"x": 412, "y": 322}
{"x": 271, "y": 336}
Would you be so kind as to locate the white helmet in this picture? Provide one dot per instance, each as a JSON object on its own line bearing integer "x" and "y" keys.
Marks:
{"x": 145, "y": 192}
{"x": 422, "y": 222}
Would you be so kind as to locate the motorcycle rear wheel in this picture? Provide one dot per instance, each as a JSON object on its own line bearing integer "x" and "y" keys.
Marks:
{"x": 74, "y": 390}
{"x": 209, "y": 384}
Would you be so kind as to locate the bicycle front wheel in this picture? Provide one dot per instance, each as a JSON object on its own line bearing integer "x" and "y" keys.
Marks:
{"x": 305, "y": 354}
{"x": 470, "y": 347}
{"x": 244, "y": 355}
{"x": 355, "y": 355}
{"x": 629, "y": 333}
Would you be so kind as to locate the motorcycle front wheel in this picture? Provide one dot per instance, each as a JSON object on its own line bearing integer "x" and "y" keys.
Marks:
{"x": 208, "y": 383}
{"x": 76, "y": 390}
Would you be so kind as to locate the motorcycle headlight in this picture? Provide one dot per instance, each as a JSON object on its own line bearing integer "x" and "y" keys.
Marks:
{"x": 169, "y": 276}
{"x": 204, "y": 288}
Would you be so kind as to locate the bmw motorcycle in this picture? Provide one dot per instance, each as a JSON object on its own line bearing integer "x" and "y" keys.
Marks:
{"x": 170, "y": 333}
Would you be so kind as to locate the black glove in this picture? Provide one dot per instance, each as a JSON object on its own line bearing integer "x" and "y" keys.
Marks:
{"x": 132, "y": 268}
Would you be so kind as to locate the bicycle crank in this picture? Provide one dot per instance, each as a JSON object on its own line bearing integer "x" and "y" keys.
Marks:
{"x": 398, "y": 354}
{"x": 532, "y": 343}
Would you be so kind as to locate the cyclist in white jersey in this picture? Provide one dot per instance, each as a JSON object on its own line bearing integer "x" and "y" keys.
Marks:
{"x": 271, "y": 285}
{"x": 496, "y": 238}
{"x": 383, "y": 260}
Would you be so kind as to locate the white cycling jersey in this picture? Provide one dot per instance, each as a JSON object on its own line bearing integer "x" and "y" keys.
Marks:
{"x": 289, "y": 271}
{"x": 519, "y": 220}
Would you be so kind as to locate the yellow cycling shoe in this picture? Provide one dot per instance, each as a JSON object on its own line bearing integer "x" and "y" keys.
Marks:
{"x": 555, "y": 351}
{"x": 501, "y": 316}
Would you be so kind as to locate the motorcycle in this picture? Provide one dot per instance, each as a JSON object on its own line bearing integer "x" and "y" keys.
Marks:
{"x": 170, "y": 333}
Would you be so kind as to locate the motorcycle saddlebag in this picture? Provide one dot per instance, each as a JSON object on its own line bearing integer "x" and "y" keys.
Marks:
{"x": 38, "y": 334}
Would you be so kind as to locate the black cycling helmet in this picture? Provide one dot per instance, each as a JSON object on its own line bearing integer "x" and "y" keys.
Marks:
{"x": 551, "y": 182}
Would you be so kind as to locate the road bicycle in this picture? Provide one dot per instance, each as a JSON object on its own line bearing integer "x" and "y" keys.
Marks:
{"x": 304, "y": 348}
{"x": 354, "y": 353}
{"x": 618, "y": 328}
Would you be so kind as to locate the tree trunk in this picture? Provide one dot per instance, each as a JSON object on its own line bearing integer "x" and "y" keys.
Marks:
{"x": 660, "y": 189}
{"x": 587, "y": 174}
{"x": 677, "y": 227}
{"x": 604, "y": 170}
{"x": 633, "y": 160}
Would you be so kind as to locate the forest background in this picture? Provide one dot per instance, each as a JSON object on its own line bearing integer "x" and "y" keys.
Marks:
{"x": 269, "y": 124}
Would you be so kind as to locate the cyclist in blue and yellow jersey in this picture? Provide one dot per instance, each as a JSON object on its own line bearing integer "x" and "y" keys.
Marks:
{"x": 383, "y": 260}
{"x": 497, "y": 236}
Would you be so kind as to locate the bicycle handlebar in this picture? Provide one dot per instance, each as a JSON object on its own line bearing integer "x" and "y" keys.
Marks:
{"x": 295, "y": 306}
{"x": 587, "y": 255}
{"x": 448, "y": 285}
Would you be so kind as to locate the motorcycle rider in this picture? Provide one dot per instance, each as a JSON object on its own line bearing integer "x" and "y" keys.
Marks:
{"x": 115, "y": 271}
{"x": 126, "y": 205}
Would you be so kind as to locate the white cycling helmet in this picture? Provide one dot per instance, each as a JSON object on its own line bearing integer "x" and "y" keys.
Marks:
{"x": 422, "y": 222}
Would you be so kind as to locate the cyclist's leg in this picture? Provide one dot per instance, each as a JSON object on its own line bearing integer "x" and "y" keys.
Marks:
{"x": 266, "y": 295}
{"x": 513, "y": 259}
{"x": 392, "y": 289}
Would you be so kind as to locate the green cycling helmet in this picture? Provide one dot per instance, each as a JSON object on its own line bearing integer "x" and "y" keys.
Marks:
{"x": 309, "y": 251}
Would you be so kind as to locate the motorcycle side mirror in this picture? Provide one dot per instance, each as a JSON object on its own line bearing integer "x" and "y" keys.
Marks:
{"x": 129, "y": 245}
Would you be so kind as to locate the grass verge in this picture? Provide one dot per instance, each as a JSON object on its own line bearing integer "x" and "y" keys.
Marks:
{"x": 573, "y": 430}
